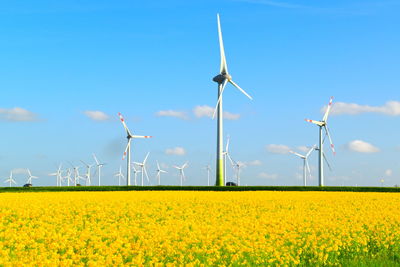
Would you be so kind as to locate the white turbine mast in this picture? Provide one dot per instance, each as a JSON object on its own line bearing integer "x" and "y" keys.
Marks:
{"x": 29, "y": 181}
{"x": 127, "y": 151}
{"x": 181, "y": 172}
{"x": 99, "y": 166}
{"x": 208, "y": 168}
{"x": 305, "y": 163}
{"x": 10, "y": 180}
{"x": 159, "y": 171}
{"x": 143, "y": 170}
{"x": 222, "y": 79}
{"x": 323, "y": 124}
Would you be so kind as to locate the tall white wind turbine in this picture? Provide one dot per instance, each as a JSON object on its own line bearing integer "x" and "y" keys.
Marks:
{"x": 119, "y": 175}
{"x": 222, "y": 79}
{"x": 127, "y": 151}
{"x": 143, "y": 170}
{"x": 181, "y": 171}
{"x": 29, "y": 181}
{"x": 159, "y": 171}
{"x": 322, "y": 124}
{"x": 305, "y": 163}
{"x": 99, "y": 166}
{"x": 208, "y": 168}
{"x": 10, "y": 180}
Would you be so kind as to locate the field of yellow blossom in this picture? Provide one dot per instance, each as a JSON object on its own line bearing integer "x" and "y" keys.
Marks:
{"x": 199, "y": 228}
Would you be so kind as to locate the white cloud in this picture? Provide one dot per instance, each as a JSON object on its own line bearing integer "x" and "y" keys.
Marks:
{"x": 391, "y": 108}
{"x": 172, "y": 113}
{"x": 362, "y": 147}
{"x": 19, "y": 171}
{"x": 96, "y": 115}
{"x": 207, "y": 111}
{"x": 180, "y": 151}
{"x": 268, "y": 176}
{"x": 388, "y": 172}
{"x": 278, "y": 149}
{"x": 17, "y": 114}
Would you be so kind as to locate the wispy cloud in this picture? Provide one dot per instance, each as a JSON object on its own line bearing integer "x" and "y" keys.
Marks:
{"x": 391, "y": 108}
{"x": 180, "y": 151}
{"x": 361, "y": 147}
{"x": 96, "y": 115}
{"x": 17, "y": 115}
{"x": 207, "y": 111}
{"x": 278, "y": 149}
{"x": 172, "y": 113}
{"x": 388, "y": 172}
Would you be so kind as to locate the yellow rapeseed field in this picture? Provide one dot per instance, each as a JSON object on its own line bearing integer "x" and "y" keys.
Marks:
{"x": 197, "y": 228}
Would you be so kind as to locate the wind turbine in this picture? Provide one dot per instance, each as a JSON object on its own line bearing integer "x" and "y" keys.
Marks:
{"x": 159, "y": 171}
{"x": 10, "y": 179}
{"x": 76, "y": 174}
{"x": 323, "y": 125}
{"x": 88, "y": 172}
{"x": 222, "y": 79}
{"x": 305, "y": 163}
{"x": 68, "y": 177}
{"x": 143, "y": 170}
{"x": 226, "y": 155}
{"x": 237, "y": 165}
{"x": 58, "y": 175}
{"x": 99, "y": 166}
{"x": 29, "y": 181}
{"x": 181, "y": 172}
{"x": 119, "y": 175}
{"x": 127, "y": 151}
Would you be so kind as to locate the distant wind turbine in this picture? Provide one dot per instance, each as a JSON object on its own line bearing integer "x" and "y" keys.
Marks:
{"x": 305, "y": 163}
{"x": 159, "y": 171}
{"x": 208, "y": 168}
{"x": 99, "y": 166}
{"x": 29, "y": 181}
{"x": 181, "y": 171}
{"x": 127, "y": 151}
{"x": 323, "y": 125}
{"x": 10, "y": 180}
{"x": 119, "y": 175}
{"x": 88, "y": 173}
{"x": 143, "y": 170}
{"x": 222, "y": 79}
{"x": 58, "y": 175}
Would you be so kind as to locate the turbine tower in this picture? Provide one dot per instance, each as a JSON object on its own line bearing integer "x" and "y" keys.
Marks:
{"x": 305, "y": 163}
{"x": 222, "y": 79}
{"x": 208, "y": 168}
{"x": 127, "y": 151}
{"x": 323, "y": 125}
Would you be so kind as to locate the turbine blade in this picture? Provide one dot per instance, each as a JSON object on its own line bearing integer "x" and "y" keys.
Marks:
{"x": 124, "y": 124}
{"x": 308, "y": 167}
{"x": 220, "y": 97}
{"x": 145, "y": 159}
{"x": 297, "y": 154}
{"x": 315, "y": 122}
{"x": 325, "y": 118}
{"x": 145, "y": 172}
{"x": 223, "y": 67}
{"x": 95, "y": 159}
{"x": 126, "y": 149}
{"x": 158, "y": 165}
{"x": 240, "y": 89}
{"x": 227, "y": 144}
{"x": 330, "y": 140}
{"x": 327, "y": 162}
{"x": 309, "y": 152}
{"x": 141, "y": 136}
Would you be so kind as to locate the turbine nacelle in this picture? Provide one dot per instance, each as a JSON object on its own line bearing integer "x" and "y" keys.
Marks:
{"x": 220, "y": 78}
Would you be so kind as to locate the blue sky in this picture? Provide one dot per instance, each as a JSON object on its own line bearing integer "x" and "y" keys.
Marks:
{"x": 62, "y": 60}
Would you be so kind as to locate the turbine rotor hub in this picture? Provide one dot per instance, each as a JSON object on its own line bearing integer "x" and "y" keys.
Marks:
{"x": 220, "y": 78}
